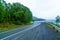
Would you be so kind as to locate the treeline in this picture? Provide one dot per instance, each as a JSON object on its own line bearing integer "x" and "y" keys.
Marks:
{"x": 14, "y": 13}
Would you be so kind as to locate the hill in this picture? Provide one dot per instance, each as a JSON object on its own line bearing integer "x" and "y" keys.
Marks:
{"x": 38, "y": 19}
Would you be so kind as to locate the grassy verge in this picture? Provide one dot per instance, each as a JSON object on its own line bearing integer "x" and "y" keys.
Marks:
{"x": 50, "y": 26}
{"x": 57, "y": 25}
{"x": 7, "y": 26}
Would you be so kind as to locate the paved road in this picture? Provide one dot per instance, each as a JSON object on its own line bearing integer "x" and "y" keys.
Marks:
{"x": 40, "y": 32}
{"x": 17, "y": 31}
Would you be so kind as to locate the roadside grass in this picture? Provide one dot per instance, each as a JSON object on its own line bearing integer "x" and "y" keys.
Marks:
{"x": 8, "y": 26}
{"x": 50, "y": 26}
{"x": 57, "y": 25}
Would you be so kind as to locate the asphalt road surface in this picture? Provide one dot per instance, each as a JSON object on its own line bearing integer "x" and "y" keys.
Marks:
{"x": 40, "y": 32}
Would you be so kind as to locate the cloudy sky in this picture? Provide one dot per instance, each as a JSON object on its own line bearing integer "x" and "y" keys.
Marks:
{"x": 47, "y": 9}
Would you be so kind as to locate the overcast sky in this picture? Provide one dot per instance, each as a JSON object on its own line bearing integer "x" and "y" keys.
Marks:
{"x": 47, "y": 9}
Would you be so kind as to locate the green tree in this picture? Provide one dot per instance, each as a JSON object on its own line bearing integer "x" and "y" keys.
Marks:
{"x": 15, "y": 13}
{"x": 1, "y": 12}
{"x": 57, "y": 19}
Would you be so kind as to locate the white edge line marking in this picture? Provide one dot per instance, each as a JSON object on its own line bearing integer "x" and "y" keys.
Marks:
{"x": 19, "y": 32}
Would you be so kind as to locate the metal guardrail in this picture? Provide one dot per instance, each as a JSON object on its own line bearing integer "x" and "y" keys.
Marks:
{"x": 57, "y": 28}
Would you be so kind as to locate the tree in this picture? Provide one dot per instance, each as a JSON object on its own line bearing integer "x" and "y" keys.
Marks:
{"x": 1, "y": 12}
{"x": 57, "y": 19}
{"x": 15, "y": 13}
{"x": 21, "y": 13}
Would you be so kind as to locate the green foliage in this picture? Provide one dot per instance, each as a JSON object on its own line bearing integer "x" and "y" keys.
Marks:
{"x": 57, "y": 19}
{"x": 14, "y": 13}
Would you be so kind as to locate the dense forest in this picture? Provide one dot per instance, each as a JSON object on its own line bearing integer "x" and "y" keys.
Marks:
{"x": 15, "y": 13}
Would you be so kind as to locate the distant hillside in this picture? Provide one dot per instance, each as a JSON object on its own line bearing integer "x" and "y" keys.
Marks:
{"x": 37, "y": 19}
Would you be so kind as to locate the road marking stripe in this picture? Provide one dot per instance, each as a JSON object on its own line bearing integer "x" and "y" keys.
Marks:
{"x": 10, "y": 30}
{"x": 20, "y": 32}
